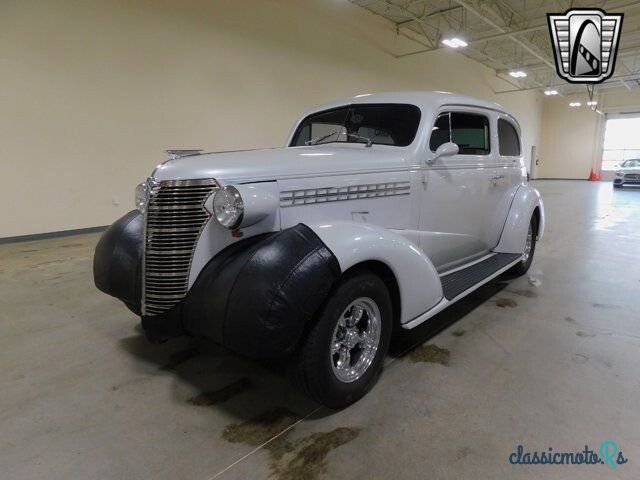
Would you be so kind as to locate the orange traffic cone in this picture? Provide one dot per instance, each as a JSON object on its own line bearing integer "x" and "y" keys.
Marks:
{"x": 593, "y": 176}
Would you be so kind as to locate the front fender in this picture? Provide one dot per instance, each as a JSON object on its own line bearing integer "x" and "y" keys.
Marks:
{"x": 514, "y": 233}
{"x": 354, "y": 243}
{"x": 257, "y": 296}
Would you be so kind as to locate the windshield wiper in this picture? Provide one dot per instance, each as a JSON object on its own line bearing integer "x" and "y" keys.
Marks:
{"x": 314, "y": 141}
{"x": 360, "y": 137}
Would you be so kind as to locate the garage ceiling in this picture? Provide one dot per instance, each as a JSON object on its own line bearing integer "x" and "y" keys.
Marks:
{"x": 508, "y": 35}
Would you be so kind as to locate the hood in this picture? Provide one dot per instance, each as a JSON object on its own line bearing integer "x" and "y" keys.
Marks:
{"x": 279, "y": 163}
{"x": 628, "y": 170}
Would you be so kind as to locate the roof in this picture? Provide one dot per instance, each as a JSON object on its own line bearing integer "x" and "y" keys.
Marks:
{"x": 424, "y": 99}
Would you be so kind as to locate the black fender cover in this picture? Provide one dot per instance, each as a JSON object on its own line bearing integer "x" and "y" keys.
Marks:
{"x": 258, "y": 296}
{"x": 117, "y": 260}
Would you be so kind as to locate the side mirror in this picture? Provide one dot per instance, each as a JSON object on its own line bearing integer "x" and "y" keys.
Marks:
{"x": 445, "y": 150}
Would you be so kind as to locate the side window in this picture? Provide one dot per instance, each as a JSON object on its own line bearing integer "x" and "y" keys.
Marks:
{"x": 441, "y": 133}
{"x": 508, "y": 137}
{"x": 470, "y": 132}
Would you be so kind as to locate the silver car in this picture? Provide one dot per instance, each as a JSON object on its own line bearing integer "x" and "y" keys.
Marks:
{"x": 628, "y": 173}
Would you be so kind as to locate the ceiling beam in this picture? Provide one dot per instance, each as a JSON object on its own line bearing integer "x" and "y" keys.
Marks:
{"x": 428, "y": 16}
{"x": 509, "y": 35}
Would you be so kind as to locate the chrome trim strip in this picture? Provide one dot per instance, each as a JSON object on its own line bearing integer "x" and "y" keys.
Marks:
{"x": 293, "y": 198}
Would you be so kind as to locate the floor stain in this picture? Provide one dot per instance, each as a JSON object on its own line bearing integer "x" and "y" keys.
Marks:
{"x": 310, "y": 459}
{"x": 462, "y": 453}
{"x": 582, "y": 334}
{"x": 178, "y": 358}
{"x": 604, "y": 306}
{"x": 261, "y": 428}
{"x": 506, "y": 303}
{"x": 302, "y": 459}
{"x": 525, "y": 293}
{"x": 458, "y": 333}
{"x": 579, "y": 358}
{"x": 570, "y": 319}
{"x": 430, "y": 354}
{"x": 206, "y": 399}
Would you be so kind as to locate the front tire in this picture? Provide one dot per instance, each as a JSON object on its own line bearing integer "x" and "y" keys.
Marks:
{"x": 343, "y": 354}
{"x": 617, "y": 185}
{"x": 524, "y": 264}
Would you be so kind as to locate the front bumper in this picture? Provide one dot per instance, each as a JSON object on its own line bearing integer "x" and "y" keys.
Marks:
{"x": 255, "y": 297}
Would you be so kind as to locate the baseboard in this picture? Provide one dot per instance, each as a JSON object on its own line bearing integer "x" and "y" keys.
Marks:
{"x": 556, "y": 178}
{"x": 46, "y": 235}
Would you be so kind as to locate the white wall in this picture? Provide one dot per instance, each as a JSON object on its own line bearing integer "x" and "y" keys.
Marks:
{"x": 572, "y": 138}
{"x": 93, "y": 91}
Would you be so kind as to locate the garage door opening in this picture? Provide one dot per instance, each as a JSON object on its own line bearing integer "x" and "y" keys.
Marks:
{"x": 621, "y": 141}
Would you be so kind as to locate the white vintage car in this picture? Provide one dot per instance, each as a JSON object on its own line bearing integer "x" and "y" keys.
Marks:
{"x": 380, "y": 211}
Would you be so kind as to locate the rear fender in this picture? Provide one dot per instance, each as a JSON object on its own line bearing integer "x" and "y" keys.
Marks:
{"x": 354, "y": 243}
{"x": 514, "y": 233}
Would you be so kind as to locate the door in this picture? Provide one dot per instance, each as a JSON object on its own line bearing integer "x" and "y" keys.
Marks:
{"x": 455, "y": 204}
{"x": 508, "y": 173}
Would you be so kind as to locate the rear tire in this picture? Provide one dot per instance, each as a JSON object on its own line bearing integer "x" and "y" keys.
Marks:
{"x": 342, "y": 356}
{"x": 524, "y": 264}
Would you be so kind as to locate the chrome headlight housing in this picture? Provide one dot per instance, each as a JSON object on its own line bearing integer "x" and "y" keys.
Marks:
{"x": 228, "y": 207}
{"x": 619, "y": 174}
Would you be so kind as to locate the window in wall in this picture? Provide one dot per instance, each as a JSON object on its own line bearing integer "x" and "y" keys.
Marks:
{"x": 470, "y": 132}
{"x": 508, "y": 139}
{"x": 621, "y": 141}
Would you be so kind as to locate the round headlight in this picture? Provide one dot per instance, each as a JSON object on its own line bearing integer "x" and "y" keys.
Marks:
{"x": 228, "y": 207}
{"x": 141, "y": 197}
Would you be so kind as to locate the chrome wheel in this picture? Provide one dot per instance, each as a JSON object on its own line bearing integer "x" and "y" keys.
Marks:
{"x": 528, "y": 245}
{"x": 355, "y": 339}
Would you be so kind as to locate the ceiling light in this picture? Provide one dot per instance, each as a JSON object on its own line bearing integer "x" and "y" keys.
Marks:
{"x": 575, "y": 104}
{"x": 454, "y": 42}
{"x": 551, "y": 92}
{"x": 592, "y": 103}
{"x": 517, "y": 74}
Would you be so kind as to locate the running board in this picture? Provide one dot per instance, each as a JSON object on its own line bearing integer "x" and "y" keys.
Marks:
{"x": 453, "y": 284}
{"x": 462, "y": 281}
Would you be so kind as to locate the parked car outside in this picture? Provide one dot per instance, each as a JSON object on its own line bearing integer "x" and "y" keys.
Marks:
{"x": 628, "y": 173}
{"x": 380, "y": 211}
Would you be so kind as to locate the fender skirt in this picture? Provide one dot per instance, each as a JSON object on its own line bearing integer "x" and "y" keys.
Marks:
{"x": 117, "y": 261}
{"x": 257, "y": 300}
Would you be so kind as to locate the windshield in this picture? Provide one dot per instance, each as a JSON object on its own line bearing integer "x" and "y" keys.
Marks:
{"x": 382, "y": 124}
{"x": 631, "y": 164}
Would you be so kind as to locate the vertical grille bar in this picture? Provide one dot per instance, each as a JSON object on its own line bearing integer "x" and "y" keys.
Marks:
{"x": 175, "y": 217}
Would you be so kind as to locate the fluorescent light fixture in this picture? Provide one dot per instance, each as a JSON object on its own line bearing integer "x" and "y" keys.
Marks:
{"x": 575, "y": 104}
{"x": 454, "y": 42}
{"x": 551, "y": 92}
{"x": 592, "y": 103}
{"x": 517, "y": 74}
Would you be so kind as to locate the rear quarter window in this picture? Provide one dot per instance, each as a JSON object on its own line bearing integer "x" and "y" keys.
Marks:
{"x": 508, "y": 139}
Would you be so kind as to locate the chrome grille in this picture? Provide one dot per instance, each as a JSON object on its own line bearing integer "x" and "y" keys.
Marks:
{"x": 175, "y": 217}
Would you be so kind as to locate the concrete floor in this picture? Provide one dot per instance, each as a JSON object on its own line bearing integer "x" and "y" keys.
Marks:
{"x": 548, "y": 360}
